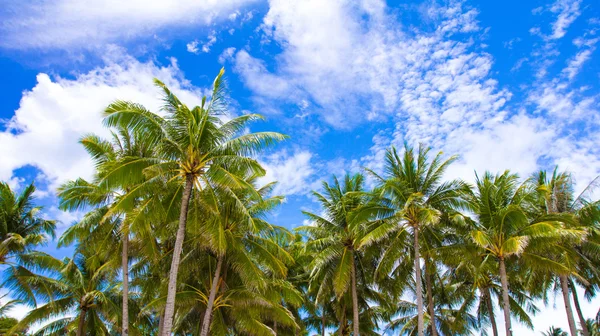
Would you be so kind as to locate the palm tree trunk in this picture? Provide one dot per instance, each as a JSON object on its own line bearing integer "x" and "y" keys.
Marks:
{"x": 488, "y": 300}
{"x": 125, "y": 266}
{"x": 161, "y": 323}
{"x": 211, "y": 297}
{"x": 564, "y": 285}
{"x": 81, "y": 324}
{"x": 505, "y": 301}
{"x": 418, "y": 285}
{"x": 323, "y": 322}
{"x": 343, "y": 320}
{"x": 430, "y": 306}
{"x": 584, "y": 327}
{"x": 172, "y": 288}
{"x": 355, "y": 321}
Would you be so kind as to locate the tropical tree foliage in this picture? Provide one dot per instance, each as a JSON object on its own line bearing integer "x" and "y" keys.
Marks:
{"x": 179, "y": 236}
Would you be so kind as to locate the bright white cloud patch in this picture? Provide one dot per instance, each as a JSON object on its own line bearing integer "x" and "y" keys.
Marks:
{"x": 84, "y": 24}
{"x": 56, "y": 113}
{"x": 293, "y": 172}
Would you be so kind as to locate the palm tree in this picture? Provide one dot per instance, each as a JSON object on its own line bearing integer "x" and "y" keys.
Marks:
{"x": 412, "y": 186}
{"x": 21, "y": 226}
{"x": 553, "y": 331}
{"x": 110, "y": 213}
{"x": 82, "y": 284}
{"x": 337, "y": 238}
{"x": 452, "y": 312}
{"x": 556, "y": 196}
{"x": 8, "y": 323}
{"x": 195, "y": 147}
{"x": 237, "y": 233}
{"x": 503, "y": 228}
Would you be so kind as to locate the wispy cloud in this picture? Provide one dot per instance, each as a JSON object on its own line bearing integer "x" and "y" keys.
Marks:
{"x": 73, "y": 24}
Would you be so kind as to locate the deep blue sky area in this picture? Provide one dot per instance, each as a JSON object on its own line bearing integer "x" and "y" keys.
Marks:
{"x": 504, "y": 84}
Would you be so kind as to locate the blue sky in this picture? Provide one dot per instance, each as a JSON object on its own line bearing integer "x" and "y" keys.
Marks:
{"x": 505, "y": 84}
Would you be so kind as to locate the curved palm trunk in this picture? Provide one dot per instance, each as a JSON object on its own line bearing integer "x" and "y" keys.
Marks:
{"x": 584, "y": 327}
{"x": 81, "y": 324}
{"x": 505, "y": 301}
{"x": 565, "y": 292}
{"x": 172, "y": 288}
{"x": 211, "y": 298}
{"x": 430, "y": 306}
{"x": 418, "y": 285}
{"x": 125, "y": 266}
{"x": 355, "y": 319}
{"x": 488, "y": 302}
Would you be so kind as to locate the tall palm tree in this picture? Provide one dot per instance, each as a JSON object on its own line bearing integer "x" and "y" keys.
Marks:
{"x": 194, "y": 147}
{"x": 412, "y": 186}
{"x": 238, "y": 234}
{"x": 337, "y": 237}
{"x": 110, "y": 214}
{"x": 503, "y": 228}
{"x": 21, "y": 226}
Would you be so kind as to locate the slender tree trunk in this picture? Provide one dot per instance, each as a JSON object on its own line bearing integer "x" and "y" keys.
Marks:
{"x": 430, "y": 305}
{"x": 172, "y": 288}
{"x": 81, "y": 324}
{"x": 343, "y": 320}
{"x": 275, "y": 327}
{"x": 355, "y": 317}
{"x": 419, "y": 285}
{"x": 584, "y": 328}
{"x": 211, "y": 297}
{"x": 488, "y": 301}
{"x": 161, "y": 323}
{"x": 564, "y": 285}
{"x": 125, "y": 266}
{"x": 505, "y": 301}
{"x": 323, "y": 322}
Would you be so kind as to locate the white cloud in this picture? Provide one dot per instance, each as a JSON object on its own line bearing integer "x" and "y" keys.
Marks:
{"x": 56, "y": 113}
{"x": 192, "y": 47}
{"x": 66, "y": 24}
{"x": 355, "y": 62}
{"x": 226, "y": 55}
{"x": 568, "y": 11}
{"x": 294, "y": 172}
{"x": 205, "y": 48}
{"x": 212, "y": 39}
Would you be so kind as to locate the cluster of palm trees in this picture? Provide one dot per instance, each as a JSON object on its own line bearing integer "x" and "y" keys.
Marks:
{"x": 176, "y": 239}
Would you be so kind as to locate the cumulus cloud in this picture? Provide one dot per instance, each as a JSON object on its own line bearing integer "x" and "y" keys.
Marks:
{"x": 294, "y": 172}
{"x": 67, "y": 24}
{"x": 57, "y": 112}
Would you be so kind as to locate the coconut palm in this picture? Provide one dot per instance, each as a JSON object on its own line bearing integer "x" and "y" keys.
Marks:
{"x": 556, "y": 196}
{"x": 78, "y": 290}
{"x": 238, "y": 234}
{"x": 110, "y": 215}
{"x": 452, "y": 311}
{"x": 8, "y": 323}
{"x": 553, "y": 331}
{"x": 337, "y": 239}
{"x": 412, "y": 186}
{"x": 195, "y": 147}
{"x": 502, "y": 208}
{"x": 21, "y": 225}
